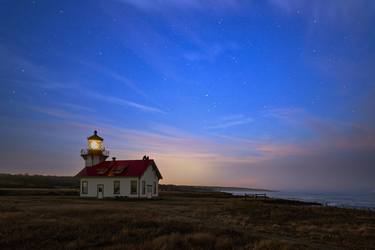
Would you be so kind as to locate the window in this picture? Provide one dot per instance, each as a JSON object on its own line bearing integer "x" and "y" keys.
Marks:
{"x": 116, "y": 187}
{"x": 133, "y": 187}
{"x": 84, "y": 187}
{"x": 143, "y": 187}
{"x": 154, "y": 187}
{"x": 149, "y": 189}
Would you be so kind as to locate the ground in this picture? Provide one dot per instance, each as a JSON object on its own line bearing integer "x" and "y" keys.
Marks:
{"x": 179, "y": 220}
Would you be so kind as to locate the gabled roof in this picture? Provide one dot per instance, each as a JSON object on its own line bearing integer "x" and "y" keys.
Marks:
{"x": 130, "y": 168}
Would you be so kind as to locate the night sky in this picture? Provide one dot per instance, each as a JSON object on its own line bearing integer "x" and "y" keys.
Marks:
{"x": 273, "y": 94}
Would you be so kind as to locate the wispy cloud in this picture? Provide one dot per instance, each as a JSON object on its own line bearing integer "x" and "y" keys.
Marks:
{"x": 215, "y": 157}
{"x": 125, "y": 103}
{"x": 30, "y": 75}
{"x": 323, "y": 9}
{"x": 210, "y": 52}
{"x": 153, "y": 45}
{"x": 288, "y": 113}
{"x": 328, "y": 133}
{"x": 74, "y": 106}
{"x": 230, "y": 121}
{"x": 27, "y": 73}
{"x": 114, "y": 76}
{"x": 164, "y": 5}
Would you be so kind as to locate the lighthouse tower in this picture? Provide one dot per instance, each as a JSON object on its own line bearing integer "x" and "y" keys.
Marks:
{"x": 95, "y": 152}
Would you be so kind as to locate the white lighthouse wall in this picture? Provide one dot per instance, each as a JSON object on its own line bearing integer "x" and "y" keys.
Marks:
{"x": 108, "y": 182}
{"x": 92, "y": 160}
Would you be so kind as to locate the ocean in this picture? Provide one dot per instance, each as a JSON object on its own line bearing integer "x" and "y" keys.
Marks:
{"x": 347, "y": 200}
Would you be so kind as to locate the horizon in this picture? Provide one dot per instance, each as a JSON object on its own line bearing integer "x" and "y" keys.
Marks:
{"x": 297, "y": 191}
{"x": 269, "y": 94}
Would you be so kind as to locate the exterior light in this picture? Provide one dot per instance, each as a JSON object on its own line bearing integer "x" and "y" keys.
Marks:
{"x": 94, "y": 145}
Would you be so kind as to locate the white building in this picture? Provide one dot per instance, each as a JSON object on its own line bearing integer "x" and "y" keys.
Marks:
{"x": 125, "y": 178}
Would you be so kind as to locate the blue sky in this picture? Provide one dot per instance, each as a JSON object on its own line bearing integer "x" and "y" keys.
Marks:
{"x": 270, "y": 94}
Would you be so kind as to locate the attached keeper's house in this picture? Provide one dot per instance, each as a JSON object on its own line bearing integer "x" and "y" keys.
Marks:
{"x": 116, "y": 178}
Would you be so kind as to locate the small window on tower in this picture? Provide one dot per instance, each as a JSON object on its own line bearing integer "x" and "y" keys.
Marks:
{"x": 116, "y": 187}
{"x": 84, "y": 187}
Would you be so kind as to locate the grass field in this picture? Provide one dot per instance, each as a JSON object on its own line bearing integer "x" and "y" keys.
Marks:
{"x": 179, "y": 220}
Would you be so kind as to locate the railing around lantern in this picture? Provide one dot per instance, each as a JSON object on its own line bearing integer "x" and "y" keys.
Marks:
{"x": 101, "y": 151}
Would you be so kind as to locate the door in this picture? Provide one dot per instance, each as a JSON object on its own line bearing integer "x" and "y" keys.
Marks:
{"x": 100, "y": 191}
{"x": 149, "y": 191}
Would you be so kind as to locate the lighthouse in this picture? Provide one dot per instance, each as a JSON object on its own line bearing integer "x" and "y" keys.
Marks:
{"x": 116, "y": 178}
{"x": 95, "y": 152}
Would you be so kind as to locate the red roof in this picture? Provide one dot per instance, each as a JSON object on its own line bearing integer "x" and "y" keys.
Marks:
{"x": 130, "y": 168}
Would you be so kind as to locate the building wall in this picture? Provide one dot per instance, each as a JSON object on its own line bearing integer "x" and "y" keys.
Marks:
{"x": 149, "y": 176}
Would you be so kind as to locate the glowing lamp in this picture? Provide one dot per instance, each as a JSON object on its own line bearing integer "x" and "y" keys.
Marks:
{"x": 95, "y": 142}
{"x": 94, "y": 145}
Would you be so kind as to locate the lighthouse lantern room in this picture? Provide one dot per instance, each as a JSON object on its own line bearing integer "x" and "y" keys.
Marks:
{"x": 95, "y": 152}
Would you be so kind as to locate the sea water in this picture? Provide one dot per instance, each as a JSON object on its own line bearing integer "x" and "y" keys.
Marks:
{"x": 365, "y": 200}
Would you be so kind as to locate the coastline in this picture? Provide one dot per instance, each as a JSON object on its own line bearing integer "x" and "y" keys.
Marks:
{"x": 363, "y": 201}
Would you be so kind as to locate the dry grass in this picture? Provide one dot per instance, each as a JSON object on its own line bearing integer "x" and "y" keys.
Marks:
{"x": 179, "y": 221}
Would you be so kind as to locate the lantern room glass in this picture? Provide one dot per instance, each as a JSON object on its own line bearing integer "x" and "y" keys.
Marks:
{"x": 95, "y": 145}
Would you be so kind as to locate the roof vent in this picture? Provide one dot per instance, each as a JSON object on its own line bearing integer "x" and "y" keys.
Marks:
{"x": 113, "y": 158}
